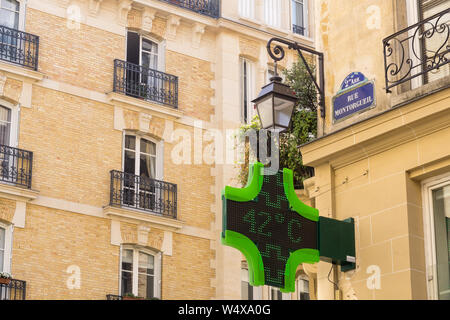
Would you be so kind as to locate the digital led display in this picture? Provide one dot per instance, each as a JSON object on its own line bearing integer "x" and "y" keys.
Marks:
{"x": 264, "y": 222}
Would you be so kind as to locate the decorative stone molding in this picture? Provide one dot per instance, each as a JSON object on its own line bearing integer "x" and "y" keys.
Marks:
{"x": 94, "y": 7}
{"x": 143, "y": 235}
{"x": 197, "y": 32}
{"x": 148, "y": 15}
{"x": 122, "y": 13}
{"x": 2, "y": 83}
{"x": 172, "y": 24}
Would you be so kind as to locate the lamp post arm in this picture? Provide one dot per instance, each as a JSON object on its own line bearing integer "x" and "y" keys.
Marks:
{"x": 278, "y": 54}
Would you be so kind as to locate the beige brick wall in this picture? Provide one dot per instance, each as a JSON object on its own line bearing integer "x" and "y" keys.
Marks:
{"x": 194, "y": 84}
{"x": 54, "y": 240}
{"x": 74, "y": 145}
{"x": 83, "y": 57}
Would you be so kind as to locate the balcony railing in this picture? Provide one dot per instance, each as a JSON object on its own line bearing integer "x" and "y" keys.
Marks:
{"x": 16, "y": 166}
{"x": 132, "y": 191}
{"x": 113, "y": 297}
{"x": 419, "y": 50}
{"x": 15, "y": 290}
{"x": 145, "y": 83}
{"x": 19, "y": 47}
{"x": 206, "y": 7}
{"x": 298, "y": 29}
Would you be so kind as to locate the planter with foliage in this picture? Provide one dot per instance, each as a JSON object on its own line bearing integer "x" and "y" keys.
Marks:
{"x": 5, "y": 278}
{"x": 130, "y": 296}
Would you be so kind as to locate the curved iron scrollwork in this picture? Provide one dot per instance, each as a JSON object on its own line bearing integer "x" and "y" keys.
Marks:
{"x": 417, "y": 50}
{"x": 277, "y": 52}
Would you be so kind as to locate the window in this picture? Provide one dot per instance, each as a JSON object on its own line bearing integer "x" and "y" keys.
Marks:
{"x": 303, "y": 288}
{"x": 425, "y": 51}
{"x": 142, "y": 163}
{"x": 144, "y": 51}
{"x": 5, "y": 126}
{"x": 5, "y": 247}
{"x": 140, "y": 273}
{"x": 300, "y": 17}
{"x": 272, "y": 12}
{"x": 247, "y": 8}
{"x": 2, "y": 247}
{"x": 271, "y": 73}
{"x": 9, "y": 13}
{"x": 247, "y": 95}
{"x": 437, "y": 236}
{"x": 249, "y": 292}
{"x": 276, "y": 294}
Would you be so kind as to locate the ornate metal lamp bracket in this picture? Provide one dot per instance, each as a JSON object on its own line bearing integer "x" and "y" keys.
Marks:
{"x": 277, "y": 53}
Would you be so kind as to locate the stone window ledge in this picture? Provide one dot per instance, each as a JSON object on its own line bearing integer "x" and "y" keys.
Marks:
{"x": 17, "y": 193}
{"x": 134, "y": 215}
{"x": 115, "y": 98}
{"x": 20, "y": 73}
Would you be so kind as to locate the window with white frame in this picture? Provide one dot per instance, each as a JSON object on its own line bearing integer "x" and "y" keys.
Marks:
{"x": 142, "y": 162}
{"x": 249, "y": 292}
{"x": 300, "y": 17}
{"x": 423, "y": 49}
{"x": 276, "y": 294}
{"x": 272, "y": 13}
{"x": 303, "y": 287}
{"x": 5, "y": 126}
{"x": 5, "y": 247}
{"x": 10, "y": 13}
{"x": 247, "y": 8}
{"x": 247, "y": 91}
{"x": 140, "y": 272}
{"x": 437, "y": 236}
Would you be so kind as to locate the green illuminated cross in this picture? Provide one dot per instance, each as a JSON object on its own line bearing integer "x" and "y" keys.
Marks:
{"x": 272, "y": 228}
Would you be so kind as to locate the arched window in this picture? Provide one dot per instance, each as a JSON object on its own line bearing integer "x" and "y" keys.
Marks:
{"x": 140, "y": 273}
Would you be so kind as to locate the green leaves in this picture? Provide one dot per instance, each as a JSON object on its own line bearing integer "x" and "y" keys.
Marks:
{"x": 303, "y": 128}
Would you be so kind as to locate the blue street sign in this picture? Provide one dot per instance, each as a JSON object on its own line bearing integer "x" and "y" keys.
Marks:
{"x": 357, "y": 94}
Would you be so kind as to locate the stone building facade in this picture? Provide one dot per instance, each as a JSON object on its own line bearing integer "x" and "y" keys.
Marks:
{"x": 110, "y": 173}
{"x": 386, "y": 164}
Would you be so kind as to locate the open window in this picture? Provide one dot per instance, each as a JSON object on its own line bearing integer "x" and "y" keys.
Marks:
{"x": 142, "y": 164}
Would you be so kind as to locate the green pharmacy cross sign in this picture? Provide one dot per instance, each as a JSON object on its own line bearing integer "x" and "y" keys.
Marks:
{"x": 276, "y": 231}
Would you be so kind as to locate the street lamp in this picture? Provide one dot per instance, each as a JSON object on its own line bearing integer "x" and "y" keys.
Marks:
{"x": 275, "y": 104}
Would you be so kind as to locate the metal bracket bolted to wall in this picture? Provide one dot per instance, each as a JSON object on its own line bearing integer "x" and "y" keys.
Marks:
{"x": 278, "y": 54}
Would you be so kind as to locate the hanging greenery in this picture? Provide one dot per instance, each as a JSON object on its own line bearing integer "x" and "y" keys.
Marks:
{"x": 303, "y": 128}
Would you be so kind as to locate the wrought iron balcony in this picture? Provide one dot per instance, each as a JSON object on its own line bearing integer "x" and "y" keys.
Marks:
{"x": 19, "y": 47}
{"x": 14, "y": 290}
{"x": 132, "y": 191}
{"x": 113, "y": 297}
{"x": 16, "y": 166}
{"x": 417, "y": 51}
{"x": 298, "y": 30}
{"x": 145, "y": 83}
{"x": 206, "y": 7}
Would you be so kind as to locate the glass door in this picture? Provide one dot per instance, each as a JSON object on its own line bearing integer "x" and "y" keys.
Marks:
{"x": 9, "y": 17}
{"x": 441, "y": 220}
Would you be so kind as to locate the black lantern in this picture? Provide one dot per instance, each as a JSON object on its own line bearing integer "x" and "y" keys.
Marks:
{"x": 275, "y": 104}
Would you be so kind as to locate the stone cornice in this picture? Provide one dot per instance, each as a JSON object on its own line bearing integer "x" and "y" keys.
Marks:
{"x": 145, "y": 105}
{"x": 381, "y": 132}
{"x": 136, "y": 216}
